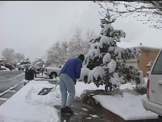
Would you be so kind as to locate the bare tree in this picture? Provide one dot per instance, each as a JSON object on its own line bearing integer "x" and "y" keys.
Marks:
{"x": 19, "y": 57}
{"x": 59, "y": 52}
{"x": 8, "y": 54}
{"x": 64, "y": 51}
{"x": 55, "y": 54}
{"x": 150, "y": 10}
{"x": 90, "y": 34}
{"x": 77, "y": 45}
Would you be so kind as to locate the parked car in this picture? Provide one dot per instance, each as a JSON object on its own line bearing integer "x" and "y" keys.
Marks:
{"x": 153, "y": 100}
{"x": 2, "y": 64}
{"x": 3, "y": 68}
{"x": 52, "y": 72}
{"x": 9, "y": 66}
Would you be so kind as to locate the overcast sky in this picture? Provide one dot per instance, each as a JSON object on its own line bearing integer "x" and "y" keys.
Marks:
{"x": 31, "y": 27}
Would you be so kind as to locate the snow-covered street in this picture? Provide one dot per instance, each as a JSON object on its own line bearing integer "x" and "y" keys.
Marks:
{"x": 9, "y": 79}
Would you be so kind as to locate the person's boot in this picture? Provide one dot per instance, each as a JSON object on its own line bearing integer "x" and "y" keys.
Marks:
{"x": 68, "y": 110}
{"x": 63, "y": 110}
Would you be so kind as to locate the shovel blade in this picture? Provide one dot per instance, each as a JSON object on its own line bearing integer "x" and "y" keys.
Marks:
{"x": 45, "y": 91}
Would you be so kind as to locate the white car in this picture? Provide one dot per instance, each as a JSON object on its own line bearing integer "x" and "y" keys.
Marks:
{"x": 4, "y": 68}
{"x": 52, "y": 72}
{"x": 153, "y": 101}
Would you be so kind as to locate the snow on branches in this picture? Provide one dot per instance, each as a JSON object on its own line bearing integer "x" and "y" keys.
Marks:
{"x": 102, "y": 65}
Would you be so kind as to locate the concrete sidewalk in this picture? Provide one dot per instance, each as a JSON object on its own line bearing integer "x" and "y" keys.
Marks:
{"x": 82, "y": 113}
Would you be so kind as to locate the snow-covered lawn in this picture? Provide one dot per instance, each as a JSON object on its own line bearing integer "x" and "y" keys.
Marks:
{"x": 27, "y": 106}
{"x": 129, "y": 107}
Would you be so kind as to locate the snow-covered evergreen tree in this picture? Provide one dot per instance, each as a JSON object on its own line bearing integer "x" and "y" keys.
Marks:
{"x": 102, "y": 65}
{"x": 24, "y": 64}
{"x": 39, "y": 62}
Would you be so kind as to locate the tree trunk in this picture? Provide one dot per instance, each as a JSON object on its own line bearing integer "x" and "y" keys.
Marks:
{"x": 106, "y": 88}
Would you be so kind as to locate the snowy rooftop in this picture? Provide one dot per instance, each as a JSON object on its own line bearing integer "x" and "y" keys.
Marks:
{"x": 124, "y": 44}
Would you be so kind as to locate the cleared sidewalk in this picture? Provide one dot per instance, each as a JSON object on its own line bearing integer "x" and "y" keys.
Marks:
{"x": 27, "y": 106}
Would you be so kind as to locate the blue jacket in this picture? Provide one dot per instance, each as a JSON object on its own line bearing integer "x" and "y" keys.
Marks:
{"x": 72, "y": 68}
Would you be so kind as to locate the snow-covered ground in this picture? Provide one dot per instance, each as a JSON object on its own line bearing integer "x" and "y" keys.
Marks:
{"x": 129, "y": 107}
{"x": 27, "y": 106}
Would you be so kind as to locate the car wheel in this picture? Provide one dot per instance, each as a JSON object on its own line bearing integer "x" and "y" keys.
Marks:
{"x": 53, "y": 75}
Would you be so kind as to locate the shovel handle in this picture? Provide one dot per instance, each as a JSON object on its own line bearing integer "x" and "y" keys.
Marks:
{"x": 55, "y": 86}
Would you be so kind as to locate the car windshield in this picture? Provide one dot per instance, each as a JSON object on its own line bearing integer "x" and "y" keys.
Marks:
{"x": 157, "y": 69}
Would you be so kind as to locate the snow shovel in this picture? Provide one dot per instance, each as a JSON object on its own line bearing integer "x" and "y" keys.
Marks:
{"x": 45, "y": 91}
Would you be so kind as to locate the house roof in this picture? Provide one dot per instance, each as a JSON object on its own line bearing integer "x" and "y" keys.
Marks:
{"x": 124, "y": 44}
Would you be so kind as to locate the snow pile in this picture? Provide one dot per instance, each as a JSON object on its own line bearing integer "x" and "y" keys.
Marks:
{"x": 129, "y": 107}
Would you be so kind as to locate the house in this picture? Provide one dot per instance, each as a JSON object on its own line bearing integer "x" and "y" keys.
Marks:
{"x": 145, "y": 61}
{"x": 147, "y": 58}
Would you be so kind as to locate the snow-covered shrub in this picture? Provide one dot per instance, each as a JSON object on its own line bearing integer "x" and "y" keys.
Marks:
{"x": 141, "y": 84}
{"x": 39, "y": 62}
{"x": 102, "y": 65}
{"x": 24, "y": 64}
{"x": 87, "y": 94}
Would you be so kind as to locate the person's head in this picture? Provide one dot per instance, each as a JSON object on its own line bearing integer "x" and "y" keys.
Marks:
{"x": 81, "y": 57}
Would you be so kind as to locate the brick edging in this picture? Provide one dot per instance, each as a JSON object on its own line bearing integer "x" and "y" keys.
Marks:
{"x": 116, "y": 118}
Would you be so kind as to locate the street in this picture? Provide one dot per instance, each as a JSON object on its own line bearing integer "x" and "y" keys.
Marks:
{"x": 9, "y": 79}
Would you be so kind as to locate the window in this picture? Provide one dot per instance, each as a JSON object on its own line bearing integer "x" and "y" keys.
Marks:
{"x": 157, "y": 69}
